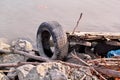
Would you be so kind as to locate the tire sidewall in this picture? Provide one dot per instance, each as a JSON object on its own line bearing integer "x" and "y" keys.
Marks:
{"x": 53, "y": 30}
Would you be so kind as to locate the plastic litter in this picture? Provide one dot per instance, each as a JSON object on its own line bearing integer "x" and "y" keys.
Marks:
{"x": 113, "y": 53}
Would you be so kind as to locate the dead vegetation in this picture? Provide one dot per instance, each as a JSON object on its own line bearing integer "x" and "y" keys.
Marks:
{"x": 25, "y": 64}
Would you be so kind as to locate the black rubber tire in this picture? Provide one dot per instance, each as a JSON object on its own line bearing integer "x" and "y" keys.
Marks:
{"x": 54, "y": 29}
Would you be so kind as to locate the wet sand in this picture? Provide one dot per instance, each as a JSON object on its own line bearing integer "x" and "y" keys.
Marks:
{"x": 21, "y": 18}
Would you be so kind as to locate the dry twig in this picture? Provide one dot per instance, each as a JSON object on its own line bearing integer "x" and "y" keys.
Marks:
{"x": 108, "y": 72}
{"x": 77, "y": 23}
{"x": 92, "y": 68}
{"x": 76, "y": 57}
{"x": 31, "y": 56}
{"x": 27, "y": 54}
{"x": 17, "y": 64}
{"x": 83, "y": 77}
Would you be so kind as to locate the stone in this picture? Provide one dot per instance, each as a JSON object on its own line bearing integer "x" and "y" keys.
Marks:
{"x": 12, "y": 73}
{"x": 44, "y": 68}
{"x": 22, "y": 45}
{"x": 19, "y": 44}
{"x": 56, "y": 75}
{"x": 4, "y": 45}
{"x": 27, "y": 72}
{"x": 48, "y": 71}
{"x": 52, "y": 71}
{"x": 3, "y": 77}
{"x": 12, "y": 58}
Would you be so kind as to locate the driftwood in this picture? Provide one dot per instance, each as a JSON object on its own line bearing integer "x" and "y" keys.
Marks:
{"x": 1, "y": 71}
{"x": 93, "y": 36}
{"x": 4, "y": 51}
{"x": 77, "y": 23}
{"x": 17, "y": 64}
{"x": 92, "y": 68}
{"x": 105, "y": 61}
{"x": 83, "y": 77}
{"x": 81, "y": 42}
{"x": 106, "y": 66}
{"x": 82, "y": 61}
{"x": 108, "y": 72}
{"x": 31, "y": 56}
{"x": 27, "y": 54}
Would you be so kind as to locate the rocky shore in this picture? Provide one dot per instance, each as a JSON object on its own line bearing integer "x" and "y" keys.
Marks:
{"x": 14, "y": 66}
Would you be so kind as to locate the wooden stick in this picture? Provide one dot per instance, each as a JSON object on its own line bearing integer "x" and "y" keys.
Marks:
{"x": 1, "y": 71}
{"x": 17, "y": 64}
{"x": 111, "y": 61}
{"x": 86, "y": 64}
{"x": 92, "y": 68}
{"x": 97, "y": 73}
{"x": 106, "y": 59}
{"x": 83, "y": 77}
{"x": 4, "y": 51}
{"x": 27, "y": 55}
{"x": 77, "y": 23}
{"x": 108, "y": 72}
{"x": 72, "y": 65}
{"x": 31, "y": 56}
{"x": 94, "y": 35}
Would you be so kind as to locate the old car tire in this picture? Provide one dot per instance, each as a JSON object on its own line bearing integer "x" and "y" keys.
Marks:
{"x": 52, "y": 29}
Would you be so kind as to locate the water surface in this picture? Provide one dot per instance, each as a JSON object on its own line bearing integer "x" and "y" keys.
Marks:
{"x": 21, "y": 18}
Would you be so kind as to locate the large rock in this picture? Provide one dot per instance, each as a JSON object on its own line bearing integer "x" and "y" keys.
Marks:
{"x": 45, "y": 71}
{"x": 27, "y": 72}
{"x": 23, "y": 45}
{"x": 53, "y": 71}
{"x": 9, "y": 57}
{"x": 62, "y": 72}
{"x": 12, "y": 74}
{"x": 12, "y": 58}
{"x": 19, "y": 44}
{"x": 55, "y": 75}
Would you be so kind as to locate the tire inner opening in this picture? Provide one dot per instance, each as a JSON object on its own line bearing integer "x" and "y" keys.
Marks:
{"x": 48, "y": 44}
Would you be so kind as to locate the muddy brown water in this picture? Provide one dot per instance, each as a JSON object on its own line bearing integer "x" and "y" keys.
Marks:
{"x": 21, "y": 18}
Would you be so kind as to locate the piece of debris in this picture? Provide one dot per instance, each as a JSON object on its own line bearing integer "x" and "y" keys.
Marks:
{"x": 75, "y": 56}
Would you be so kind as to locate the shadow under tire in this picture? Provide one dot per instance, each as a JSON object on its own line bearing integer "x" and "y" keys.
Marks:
{"x": 52, "y": 30}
